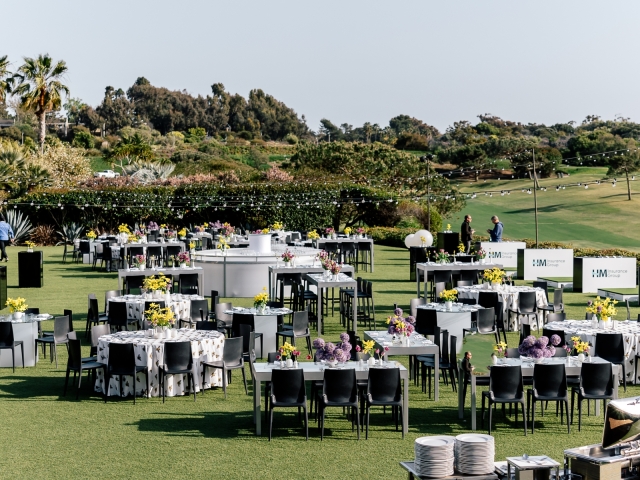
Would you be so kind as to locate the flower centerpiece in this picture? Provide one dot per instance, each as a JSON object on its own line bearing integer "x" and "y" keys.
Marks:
{"x": 287, "y": 257}
{"x": 449, "y": 296}
{"x": 448, "y": 228}
{"x": 361, "y": 231}
{"x": 17, "y": 306}
{"x": 399, "y": 325}
{"x": 261, "y": 299}
{"x": 539, "y": 348}
{"x": 577, "y": 347}
{"x": 277, "y": 226}
{"x": 313, "y": 235}
{"x": 160, "y": 317}
{"x": 500, "y": 349}
{"x": 30, "y": 245}
{"x": 171, "y": 235}
{"x": 288, "y": 353}
{"x": 603, "y": 309}
{"x": 442, "y": 256}
{"x": 227, "y": 230}
{"x": 494, "y": 276}
{"x": 335, "y": 268}
{"x": 223, "y": 245}
{"x": 366, "y": 349}
{"x": 160, "y": 284}
{"x": 333, "y": 353}
{"x": 423, "y": 241}
{"x": 183, "y": 258}
{"x": 124, "y": 228}
{"x": 91, "y": 235}
{"x": 139, "y": 261}
{"x": 481, "y": 254}
{"x": 192, "y": 246}
{"x": 153, "y": 226}
{"x": 330, "y": 231}
{"x": 182, "y": 233}
{"x": 347, "y": 231}
{"x": 462, "y": 248}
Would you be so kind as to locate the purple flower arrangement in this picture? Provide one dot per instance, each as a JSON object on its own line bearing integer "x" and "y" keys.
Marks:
{"x": 152, "y": 226}
{"x": 539, "y": 347}
{"x": 329, "y": 351}
{"x": 399, "y": 325}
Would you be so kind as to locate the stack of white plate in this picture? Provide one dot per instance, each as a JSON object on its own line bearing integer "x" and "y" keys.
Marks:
{"x": 435, "y": 456}
{"x": 475, "y": 453}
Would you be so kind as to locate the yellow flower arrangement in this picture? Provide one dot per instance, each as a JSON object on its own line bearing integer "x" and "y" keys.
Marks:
{"x": 494, "y": 275}
{"x": 347, "y": 231}
{"x": 91, "y": 234}
{"x": 367, "y": 346}
{"x": 160, "y": 317}
{"x": 205, "y": 224}
{"x": 578, "y": 346}
{"x": 449, "y": 295}
{"x": 30, "y": 244}
{"x": 192, "y": 245}
{"x": 261, "y": 299}
{"x": 182, "y": 232}
{"x": 448, "y": 227}
{"x": 222, "y": 244}
{"x": 286, "y": 350}
{"x": 163, "y": 225}
{"x": 313, "y": 235}
{"x": 157, "y": 283}
{"x": 265, "y": 231}
{"x": 462, "y": 248}
{"x": 132, "y": 237}
{"x": 602, "y": 308}
{"x": 500, "y": 348}
{"x": 124, "y": 228}
{"x": 278, "y": 226}
{"x": 423, "y": 239}
{"x": 16, "y": 304}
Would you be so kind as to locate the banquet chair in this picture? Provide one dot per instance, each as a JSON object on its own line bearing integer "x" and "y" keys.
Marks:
{"x": 98, "y": 254}
{"x": 119, "y": 316}
{"x": 199, "y": 312}
{"x": 279, "y": 318}
{"x": 93, "y": 316}
{"x": 427, "y": 362}
{"x": 610, "y": 346}
{"x": 122, "y": 362}
{"x": 527, "y": 305}
{"x": 207, "y": 326}
{"x": 8, "y": 342}
{"x": 596, "y": 383}
{"x": 555, "y": 307}
{"x": 525, "y": 331}
{"x": 464, "y": 283}
{"x": 288, "y": 391}
{"x": 243, "y": 330}
{"x": 188, "y": 284}
{"x": 109, "y": 294}
{"x": 366, "y": 255}
{"x": 74, "y": 336}
{"x": 383, "y": 390}
{"x": 492, "y": 300}
{"x": 224, "y": 320}
{"x": 544, "y": 286}
{"x": 448, "y": 359}
{"x": 549, "y": 385}
{"x": 505, "y": 387}
{"x": 349, "y": 254}
{"x": 231, "y": 360}
{"x": 97, "y": 331}
{"x": 300, "y": 330}
{"x": 486, "y": 324}
{"x": 427, "y": 325}
{"x": 548, "y": 332}
{"x": 36, "y": 311}
{"x": 171, "y": 251}
{"x": 156, "y": 253}
{"x": 339, "y": 389}
{"x": 556, "y": 317}
{"x": 215, "y": 299}
{"x": 178, "y": 360}
{"x": 413, "y": 305}
{"x": 512, "y": 353}
{"x": 74, "y": 362}
{"x": 60, "y": 330}
{"x": 84, "y": 248}
{"x": 440, "y": 280}
{"x": 249, "y": 319}
{"x": 134, "y": 282}
{"x": 469, "y": 275}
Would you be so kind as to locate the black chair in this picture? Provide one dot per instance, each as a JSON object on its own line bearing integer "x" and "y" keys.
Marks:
{"x": 486, "y": 324}
{"x": 60, "y": 331}
{"x": 119, "y": 316}
{"x": 248, "y": 319}
{"x": 97, "y": 331}
{"x": 178, "y": 360}
{"x": 556, "y": 306}
{"x": 505, "y": 387}
{"x": 300, "y": 330}
{"x": 426, "y": 324}
{"x": 8, "y": 342}
{"x": 556, "y": 317}
{"x": 98, "y": 254}
{"x": 464, "y": 283}
{"x": 207, "y": 325}
{"x": 548, "y": 332}
{"x": 231, "y": 360}
{"x": 339, "y": 389}
{"x": 288, "y": 391}
{"x": 440, "y": 280}
{"x": 154, "y": 256}
{"x": 188, "y": 284}
{"x": 75, "y": 363}
{"x": 549, "y": 385}
{"x": 512, "y": 353}
{"x": 279, "y": 318}
{"x": 84, "y": 248}
{"x": 94, "y": 317}
{"x": 134, "y": 282}
{"x": 414, "y": 304}
{"x": 384, "y": 390}
{"x": 596, "y": 383}
{"x": 171, "y": 251}
{"x": 122, "y": 361}
{"x": 133, "y": 252}
{"x": 610, "y": 346}
{"x": 199, "y": 312}
{"x": 492, "y": 300}
{"x": 224, "y": 320}
{"x": 527, "y": 305}
{"x": 215, "y": 299}
{"x": 525, "y": 331}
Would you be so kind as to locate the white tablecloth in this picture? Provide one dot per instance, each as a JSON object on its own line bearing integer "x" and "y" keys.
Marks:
{"x": 509, "y": 297}
{"x": 206, "y": 346}
{"x": 582, "y": 328}
{"x": 179, "y": 304}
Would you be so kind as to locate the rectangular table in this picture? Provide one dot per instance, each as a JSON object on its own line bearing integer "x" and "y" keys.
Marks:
{"x": 175, "y": 272}
{"x": 527, "y": 371}
{"x": 261, "y": 372}
{"x": 383, "y": 339}
{"x": 343, "y": 281}
{"x": 274, "y": 270}
{"x": 456, "y": 267}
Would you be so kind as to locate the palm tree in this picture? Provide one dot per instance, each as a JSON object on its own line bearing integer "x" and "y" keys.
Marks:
{"x": 6, "y": 79}
{"x": 40, "y": 88}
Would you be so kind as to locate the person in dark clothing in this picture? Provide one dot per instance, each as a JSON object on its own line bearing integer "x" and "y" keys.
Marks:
{"x": 466, "y": 233}
{"x": 496, "y": 232}
{"x": 467, "y": 368}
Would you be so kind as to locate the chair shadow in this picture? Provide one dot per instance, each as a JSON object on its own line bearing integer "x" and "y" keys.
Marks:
{"x": 22, "y": 388}
{"x": 211, "y": 424}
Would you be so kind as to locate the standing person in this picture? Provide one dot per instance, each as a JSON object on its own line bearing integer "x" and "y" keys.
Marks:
{"x": 496, "y": 233}
{"x": 6, "y": 235}
{"x": 466, "y": 233}
{"x": 467, "y": 369}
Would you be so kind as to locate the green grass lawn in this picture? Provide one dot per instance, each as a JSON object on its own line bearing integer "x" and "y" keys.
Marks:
{"x": 47, "y": 435}
{"x": 599, "y": 217}
{"x": 99, "y": 164}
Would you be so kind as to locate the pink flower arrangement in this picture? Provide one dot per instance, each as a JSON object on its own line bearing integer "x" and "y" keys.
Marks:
{"x": 183, "y": 257}
{"x": 330, "y": 231}
{"x": 287, "y": 256}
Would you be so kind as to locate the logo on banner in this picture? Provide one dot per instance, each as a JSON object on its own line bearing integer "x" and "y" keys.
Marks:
{"x": 495, "y": 254}
{"x": 608, "y": 273}
{"x": 595, "y": 273}
{"x": 538, "y": 262}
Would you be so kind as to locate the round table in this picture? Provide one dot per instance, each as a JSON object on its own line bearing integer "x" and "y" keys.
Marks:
{"x": 206, "y": 346}
{"x": 179, "y": 304}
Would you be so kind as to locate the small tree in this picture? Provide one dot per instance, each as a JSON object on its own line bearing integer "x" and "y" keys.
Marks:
{"x": 6, "y": 79}
{"x": 627, "y": 162}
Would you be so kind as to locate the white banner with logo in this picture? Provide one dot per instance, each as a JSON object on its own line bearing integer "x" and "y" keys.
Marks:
{"x": 505, "y": 253}
{"x": 553, "y": 262}
{"x": 593, "y": 273}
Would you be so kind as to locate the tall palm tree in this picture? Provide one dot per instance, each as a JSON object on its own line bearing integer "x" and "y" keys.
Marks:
{"x": 6, "y": 79}
{"x": 40, "y": 88}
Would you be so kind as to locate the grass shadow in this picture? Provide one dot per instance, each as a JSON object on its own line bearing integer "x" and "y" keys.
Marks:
{"x": 210, "y": 425}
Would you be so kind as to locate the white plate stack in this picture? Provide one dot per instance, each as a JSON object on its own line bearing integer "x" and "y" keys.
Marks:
{"x": 475, "y": 453}
{"x": 435, "y": 456}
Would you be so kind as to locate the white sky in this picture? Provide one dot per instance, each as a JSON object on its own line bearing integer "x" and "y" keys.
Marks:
{"x": 351, "y": 61}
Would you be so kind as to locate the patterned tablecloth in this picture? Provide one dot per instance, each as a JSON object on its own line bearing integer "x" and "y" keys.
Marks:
{"x": 206, "y": 346}
{"x": 630, "y": 331}
{"x": 179, "y": 304}
{"x": 509, "y": 297}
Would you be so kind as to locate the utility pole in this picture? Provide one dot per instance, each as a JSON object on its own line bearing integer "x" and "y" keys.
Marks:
{"x": 428, "y": 158}
{"x": 535, "y": 195}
